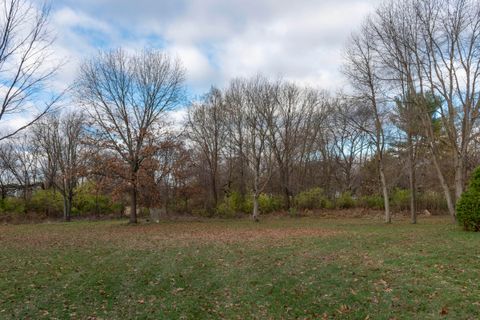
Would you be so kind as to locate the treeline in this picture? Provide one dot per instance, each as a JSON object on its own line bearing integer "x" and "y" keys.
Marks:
{"x": 403, "y": 135}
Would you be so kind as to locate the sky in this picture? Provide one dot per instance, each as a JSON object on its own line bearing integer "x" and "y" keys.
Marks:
{"x": 216, "y": 40}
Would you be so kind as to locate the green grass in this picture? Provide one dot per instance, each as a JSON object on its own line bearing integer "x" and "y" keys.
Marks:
{"x": 280, "y": 268}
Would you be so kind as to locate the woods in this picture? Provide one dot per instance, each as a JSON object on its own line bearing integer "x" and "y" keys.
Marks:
{"x": 404, "y": 131}
{"x": 239, "y": 159}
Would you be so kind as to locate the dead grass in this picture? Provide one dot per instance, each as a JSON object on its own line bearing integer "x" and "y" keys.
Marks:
{"x": 281, "y": 268}
{"x": 150, "y": 236}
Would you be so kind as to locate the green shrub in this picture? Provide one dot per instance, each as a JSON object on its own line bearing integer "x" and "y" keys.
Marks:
{"x": 12, "y": 205}
{"x": 269, "y": 203}
{"x": 345, "y": 201}
{"x": 371, "y": 202}
{"x": 46, "y": 201}
{"x": 224, "y": 210}
{"x": 401, "y": 199}
{"x": 311, "y": 199}
{"x": 230, "y": 206}
{"x": 89, "y": 202}
{"x": 468, "y": 206}
{"x": 329, "y": 204}
{"x": 266, "y": 203}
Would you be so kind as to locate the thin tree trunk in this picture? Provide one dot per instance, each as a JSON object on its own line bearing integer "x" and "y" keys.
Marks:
{"x": 412, "y": 178}
{"x": 459, "y": 176}
{"x": 66, "y": 208}
{"x": 446, "y": 190}
{"x": 386, "y": 201}
{"x": 133, "y": 204}
{"x": 286, "y": 188}
{"x": 255, "y": 207}
{"x": 213, "y": 178}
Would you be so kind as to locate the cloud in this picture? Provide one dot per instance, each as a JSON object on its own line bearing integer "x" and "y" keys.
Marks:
{"x": 218, "y": 40}
{"x": 197, "y": 65}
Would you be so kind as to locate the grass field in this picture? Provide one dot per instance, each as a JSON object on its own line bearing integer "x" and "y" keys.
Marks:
{"x": 280, "y": 268}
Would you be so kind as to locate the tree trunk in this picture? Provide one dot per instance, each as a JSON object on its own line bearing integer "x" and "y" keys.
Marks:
{"x": 214, "y": 188}
{"x": 286, "y": 186}
{"x": 286, "y": 198}
{"x": 427, "y": 123}
{"x": 446, "y": 190}
{"x": 133, "y": 204}
{"x": 459, "y": 175}
{"x": 412, "y": 180}
{"x": 386, "y": 201}
{"x": 255, "y": 208}
{"x": 67, "y": 208}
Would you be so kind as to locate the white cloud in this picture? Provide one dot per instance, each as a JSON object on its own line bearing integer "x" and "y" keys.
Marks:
{"x": 197, "y": 65}
{"x": 217, "y": 39}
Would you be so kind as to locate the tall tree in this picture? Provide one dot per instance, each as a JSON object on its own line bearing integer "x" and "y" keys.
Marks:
{"x": 362, "y": 70}
{"x": 206, "y": 127}
{"x": 260, "y": 98}
{"x": 126, "y": 96}
{"x": 288, "y": 121}
{"x": 20, "y": 157}
{"x": 60, "y": 139}
{"x": 26, "y": 63}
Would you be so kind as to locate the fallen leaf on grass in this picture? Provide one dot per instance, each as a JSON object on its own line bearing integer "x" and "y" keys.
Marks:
{"x": 343, "y": 309}
{"x": 177, "y": 290}
{"x": 444, "y": 311}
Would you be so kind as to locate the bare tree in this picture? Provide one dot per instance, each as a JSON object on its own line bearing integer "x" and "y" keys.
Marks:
{"x": 20, "y": 157}
{"x": 450, "y": 34}
{"x": 288, "y": 121}
{"x": 60, "y": 139}
{"x": 362, "y": 69}
{"x": 235, "y": 99}
{"x": 260, "y": 99}
{"x": 206, "y": 127}
{"x": 349, "y": 141}
{"x": 26, "y": 65}
{"x": 126, "y": 96}
{"x": 428, "y": 50}
{"x": 395, "y": 26}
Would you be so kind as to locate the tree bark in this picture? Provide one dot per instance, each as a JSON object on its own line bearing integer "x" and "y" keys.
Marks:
{"x": 133, "y": 203}
{"x": 386, "y": 201}
{"x": 66, "y": 208}
{"x": 459, "y": 175}
{"x": 446, "y": 190}
{"x": 412, "y": 179}
{"x": 255, "y": 208}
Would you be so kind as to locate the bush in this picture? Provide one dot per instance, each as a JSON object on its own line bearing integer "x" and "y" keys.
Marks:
{"x": 312, "y": 199}
{"x": 46, "y": 201}
{"x": 231, "y": 206}
{"x": 401, "y": 199}
{"x": 345, "y": 201}
{"x": 432, "y": 200}
{"x": 266, "y": 203}
{"x": 87, "y": 202}
{"x": 12, "y": 205}
{"x": 371, "y": 202}
{"x": 269, "y": 203}
{"x": 468, "y": 206}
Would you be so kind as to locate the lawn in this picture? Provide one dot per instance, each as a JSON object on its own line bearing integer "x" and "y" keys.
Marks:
{"x": 280, "y": 268}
